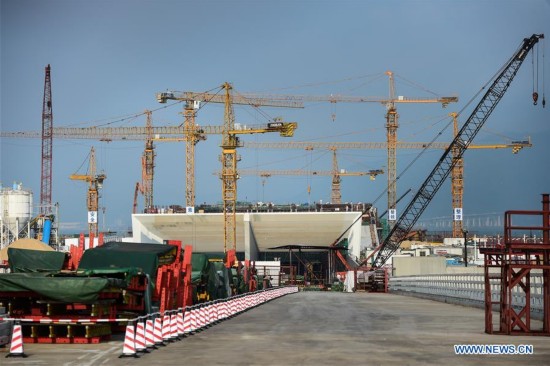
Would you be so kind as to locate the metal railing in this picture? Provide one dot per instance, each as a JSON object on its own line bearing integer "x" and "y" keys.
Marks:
{"x": 465, "y": 289}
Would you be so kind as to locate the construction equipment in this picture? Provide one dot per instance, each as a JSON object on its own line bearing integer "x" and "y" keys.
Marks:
{"x": 336, "y": 196}
{"x": 519, "y": 267}
{"x": 116, "y": 280}
{"x": 229, "y": 145}
{"x": 456, "y": 149}
{"x": 148, "y": 164}
{"x": 47, "y": 143}
{"x": 457, "y": 180}
{"x": 95, "y": 183}
{"x": 391, "y": 120}
{"x": 192, "y": 132}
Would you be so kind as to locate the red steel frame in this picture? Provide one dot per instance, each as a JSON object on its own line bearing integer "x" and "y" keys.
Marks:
{"x": 515, "y": 263}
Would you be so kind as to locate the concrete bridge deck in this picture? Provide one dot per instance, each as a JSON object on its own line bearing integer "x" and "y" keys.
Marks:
{"x": 318, "y": 328}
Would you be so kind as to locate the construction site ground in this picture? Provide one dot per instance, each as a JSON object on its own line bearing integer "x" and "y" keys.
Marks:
{"x": 317, "y": 328}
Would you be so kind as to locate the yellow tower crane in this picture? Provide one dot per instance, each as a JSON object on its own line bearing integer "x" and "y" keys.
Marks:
{"x": 391, "y": 120}
{"x": 336, "y": 196}
{"x": 230, "y": 142}
{"x": 181, "y": 133}
{"x": 95, "y": 183}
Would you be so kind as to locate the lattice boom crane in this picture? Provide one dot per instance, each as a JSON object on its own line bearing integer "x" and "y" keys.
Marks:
{"x": 455, "y": 150}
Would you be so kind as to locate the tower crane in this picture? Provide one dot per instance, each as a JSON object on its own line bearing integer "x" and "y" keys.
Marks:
{"x": 336, "y": 173}
{"x": 95, "y": 183}
{"x": 457, "y": 179}
{"x": 230, "y": 142}
{"x": 194, "y": 134}
{"x": 147, "y": 167}
{"x": 391, "y": 119}
{"x": 182, "y": 133}
{"x": 336, "y": 196}
{"x": 390, "y": 103}
{"x": 456, "y": 149}
{"x": 47, "y": 143}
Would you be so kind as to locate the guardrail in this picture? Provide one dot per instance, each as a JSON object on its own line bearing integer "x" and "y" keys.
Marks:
{"x": 465, "y": 289}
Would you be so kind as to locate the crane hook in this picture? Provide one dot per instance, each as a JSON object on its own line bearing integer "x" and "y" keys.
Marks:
{"x": 543, "y": 102}
{"x": 535, "y": 98}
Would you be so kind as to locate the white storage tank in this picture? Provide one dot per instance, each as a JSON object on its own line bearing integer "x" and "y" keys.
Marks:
{"x": 15, "y": 207}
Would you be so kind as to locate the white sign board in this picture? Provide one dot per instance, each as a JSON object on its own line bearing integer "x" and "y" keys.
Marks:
{"x": 92, "y": 217}
{"x": 457, "y": 214}
{"x": 392, "y": 214}
{"x": 190, "y": 210}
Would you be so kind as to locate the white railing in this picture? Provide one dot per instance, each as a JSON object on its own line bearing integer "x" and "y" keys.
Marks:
{"x": 466, "y": 288}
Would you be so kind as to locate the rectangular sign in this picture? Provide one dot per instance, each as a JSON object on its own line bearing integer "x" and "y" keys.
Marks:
{"x": 392, "y": 214}
{"x": 92, "y": 217}
{"x": 457, "y": 214}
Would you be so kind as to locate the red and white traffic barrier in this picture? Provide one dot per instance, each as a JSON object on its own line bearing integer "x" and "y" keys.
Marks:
{"x": 187, "y": 321}
{"x": 16, "y": 345}
{"x": 157, "y": 332}
{"x": 149, "y": 334}
{"x": 173, "y": 327}
{"x": 129, "y": 348}
{"x": 166, "y": 328}
{"x": 140, "y": 338}
{"x": 180, "y": 327}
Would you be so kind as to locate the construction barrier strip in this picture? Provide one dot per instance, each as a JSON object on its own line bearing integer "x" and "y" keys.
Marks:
{"x": 241, "y": 300}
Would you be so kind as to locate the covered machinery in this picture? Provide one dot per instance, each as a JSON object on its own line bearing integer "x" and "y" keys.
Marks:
{"x": 112, "y": 281}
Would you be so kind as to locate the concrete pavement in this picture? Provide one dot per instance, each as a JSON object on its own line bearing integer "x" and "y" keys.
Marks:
{"x": 318, "y": 328}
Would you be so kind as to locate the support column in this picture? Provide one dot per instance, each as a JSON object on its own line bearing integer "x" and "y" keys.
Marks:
{"x": 251, "y": 251}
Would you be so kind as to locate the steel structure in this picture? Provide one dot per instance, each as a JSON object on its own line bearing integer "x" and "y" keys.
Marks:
{"x": 95, "y": 183}
{"x": 510, "y": 270}
{"x": 148, "y": 164}
{"x": 391, "y": 120}
{"x": 336, "y": 173}
{"x": 455, "y": 150}
{"x": 229, "y": 145}
{"x": 47, "y": 144}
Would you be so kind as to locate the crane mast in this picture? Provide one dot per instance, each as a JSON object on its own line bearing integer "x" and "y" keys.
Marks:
{"x": 455, "y": 151}
{"x": 229, "y": 173}
{"x": 148, "y": 164}
{"x": 95, "y": 183}
{"x": 391, "y": 136}
{"x": 47, "y": 143}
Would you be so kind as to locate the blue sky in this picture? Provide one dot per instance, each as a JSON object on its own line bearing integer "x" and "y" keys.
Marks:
{"x": 109, "y": 58}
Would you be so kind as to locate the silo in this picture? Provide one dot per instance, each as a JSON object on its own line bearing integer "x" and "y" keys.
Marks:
{"x": 15, "y": 207}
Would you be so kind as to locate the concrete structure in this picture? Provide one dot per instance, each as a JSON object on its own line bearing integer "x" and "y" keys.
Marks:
{"x": 317, "y": 328}
{"x": 256, "y": 232}
{"x": 408, "y": 266}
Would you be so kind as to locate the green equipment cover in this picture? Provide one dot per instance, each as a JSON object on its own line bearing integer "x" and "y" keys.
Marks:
{"x": 199, "y": 267}
{"x": 27, "y": 260}
{"x": 64, "y": 288}
{"x": 115, "y": 255}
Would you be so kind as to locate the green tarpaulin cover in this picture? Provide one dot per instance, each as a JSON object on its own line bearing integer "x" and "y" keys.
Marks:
{"x": 112, "y": 255}
{"x": 199, "y": 267}
{"x": 65, "y": 289}
{"x": 26, "y": 260}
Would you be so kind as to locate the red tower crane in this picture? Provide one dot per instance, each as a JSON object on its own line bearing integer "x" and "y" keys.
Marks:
{"x": 47, "y": 142}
